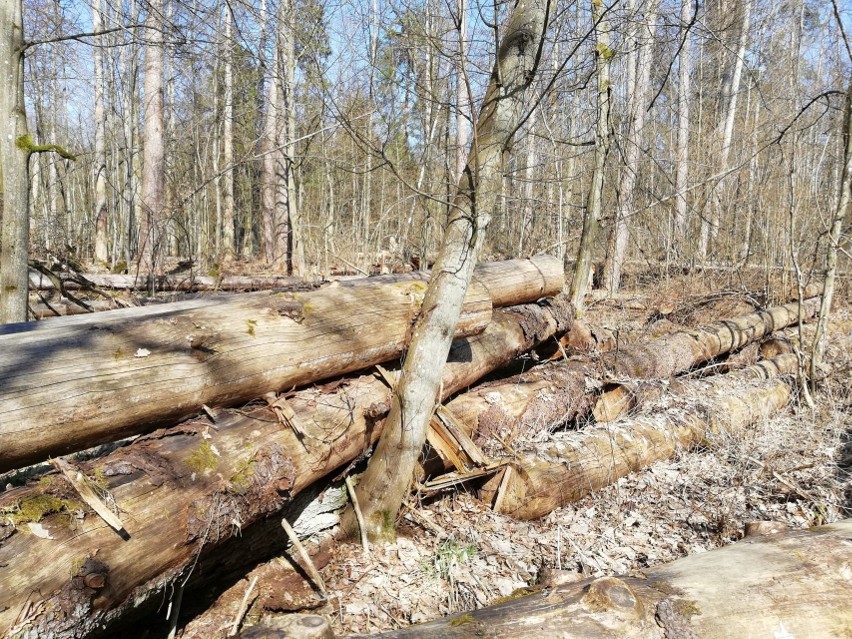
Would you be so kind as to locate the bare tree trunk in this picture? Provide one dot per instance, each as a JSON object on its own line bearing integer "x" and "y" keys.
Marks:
{"x": 101, "y": 225}
{"x": 843, "y": 200}
{"x": 271, "y": 157}
{"x": 384, "y": 484}
{"x": 682, "y": 157}
{"x": 128, "y": 64}
{"x": 710, "y": 227}
{"x": 15, "y": 149}
{"x": 295, "y": 245}
{"x": 228, "y": 247}
{"x": 153, "y": 151}
{"x": 637, "y": 98}
{"x": 462, "y": 99}
{"x": 594, "y": 203}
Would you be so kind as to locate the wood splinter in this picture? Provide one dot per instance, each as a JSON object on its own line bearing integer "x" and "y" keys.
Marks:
{"x": 82, "y": 485}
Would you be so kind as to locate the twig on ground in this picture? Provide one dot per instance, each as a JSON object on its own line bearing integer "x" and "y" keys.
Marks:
{"x": 241, "y": 613}
{"x": 309, "y": 565}
{"x": 359, "y": 516}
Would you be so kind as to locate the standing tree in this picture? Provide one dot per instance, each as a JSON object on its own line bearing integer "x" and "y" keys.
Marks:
{"x": 153, "y": 151}
{"x": 682, "y": 153}
{"x": 844, "y": 198}
{"x": 710, "y": 227}
{"x": 387, "y": 478}
{"x": 100, "y": 217}
{"x": 228, "y": 248}
{"x": 15, "y": 149}
{"x": 638, "y": 82}
{"x": 594, "y": 202}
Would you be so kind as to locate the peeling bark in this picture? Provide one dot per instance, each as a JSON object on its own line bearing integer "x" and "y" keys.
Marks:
{"x": 570, "y": 465}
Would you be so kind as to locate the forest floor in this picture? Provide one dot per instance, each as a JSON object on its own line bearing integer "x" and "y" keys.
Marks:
{"x": 454, "y": 554}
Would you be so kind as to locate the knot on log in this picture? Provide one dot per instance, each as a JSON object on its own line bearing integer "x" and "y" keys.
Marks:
{"x": 609, "y": 594}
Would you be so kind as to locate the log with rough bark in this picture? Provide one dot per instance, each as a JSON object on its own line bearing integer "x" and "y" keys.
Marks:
{"x": 678, "y": 352}
{"x": 671, "y": 354}
{"x": 550, "y": 395}
{"x": 182, "y": 494}
{"x": 71, "y": 383}
{"x": 790, "y": 584}
{"x": 570, "y": 465}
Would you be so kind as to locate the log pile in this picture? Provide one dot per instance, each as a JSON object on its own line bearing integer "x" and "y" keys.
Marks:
{"x": 240, "y": 404}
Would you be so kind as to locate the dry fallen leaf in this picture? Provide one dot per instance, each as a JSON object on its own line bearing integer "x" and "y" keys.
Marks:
{"x": 38, "y": 530}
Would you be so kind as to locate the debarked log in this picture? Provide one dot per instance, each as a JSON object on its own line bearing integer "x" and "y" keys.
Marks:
{"x": 177, "y": 282}
{"x": 184, "y": 492}
{"x": 71, "y": 383}
{"x": 789, "y": 584}
{"x": 570, "y": 465}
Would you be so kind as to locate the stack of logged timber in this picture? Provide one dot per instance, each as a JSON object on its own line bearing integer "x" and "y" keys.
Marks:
{"x": 540, "y": 470}
{"x": 103, "y": 541}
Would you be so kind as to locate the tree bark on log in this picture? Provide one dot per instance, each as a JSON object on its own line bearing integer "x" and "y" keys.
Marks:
{"x": 790, "y": 584}
{"x": 184, "y": 492}
{"x": 555, "y": 393}
{"x": 671, "y": 354}
{"x": 666, "y": 356}
{"x": 570, "y": 465}
{"x": 80, "y": 381}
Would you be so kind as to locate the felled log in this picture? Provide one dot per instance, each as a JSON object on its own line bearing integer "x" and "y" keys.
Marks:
{"x": 666, "y": 356}
{"x": 570, "y": 465}
{"x": 178, "y": 282}
{"x": 790, "y": 584}
{"x": 678, "y": 352}
{"x": 71, "y": 383}
{"x": 44, "y": 310}
{"x": 185, "y": 492}
{"x": 555, "y": 393}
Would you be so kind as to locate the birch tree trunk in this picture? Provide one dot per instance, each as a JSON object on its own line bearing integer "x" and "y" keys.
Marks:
{"x": 271, "y": 158}
{"x": 153, "y": 147}
{"x": 100, "y": 217}
{"x": 710, "y": 227}
{"x": 637, "y": 98}
{"x": 594, "y": 203}
{"x": 228, "y": 247}
{"x": 682, "y": 152}
{"x": 129, "y": 72}
{"x": 462, "y": 102}
{"x": 295, "y": 248}
{"x": 387, "y": 478}
{"x": 15, "y": 145}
